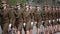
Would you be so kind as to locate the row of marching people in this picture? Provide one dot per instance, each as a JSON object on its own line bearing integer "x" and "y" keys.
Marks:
{"x": 27, "y": 16}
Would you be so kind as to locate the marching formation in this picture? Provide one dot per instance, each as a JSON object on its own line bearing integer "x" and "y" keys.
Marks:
{"x": 25, "y": 17}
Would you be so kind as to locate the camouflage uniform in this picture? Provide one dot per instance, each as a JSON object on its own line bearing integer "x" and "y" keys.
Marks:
{"x": 12, "y": 13}
{"x": 39, "y": 18}
{"x": 31, "y": 10}
{"x": 50, "y": 17}
{"x": 19, "y": 19}
{"x": 5, "y": 21}
{"x": 44, "y": 17}
{"x": 57, "y": 14}
{"x": 5, "y": 18}
{"x": 35, "y": 14}
{"x": 46, "y": 14}
{"x": 0, "y": 17}
{"x": 54, "y": 16}
{"x": 27, "y": 19}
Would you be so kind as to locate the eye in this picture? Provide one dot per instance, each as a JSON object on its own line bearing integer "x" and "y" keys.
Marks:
{"x": 2, "y": 3}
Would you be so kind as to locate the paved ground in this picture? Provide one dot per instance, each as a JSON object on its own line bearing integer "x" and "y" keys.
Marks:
{"x": 34, "y": 30}
{"x": 57, "y": 33}
{"x": 0, "y": 30}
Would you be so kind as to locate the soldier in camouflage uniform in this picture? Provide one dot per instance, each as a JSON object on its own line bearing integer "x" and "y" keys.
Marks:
{"x": 54, "y": 18}
{"x": 19, "y": 18}
{"x": 46, "y": 13}
{"x": 27, "y": 19}
{"x": 59, "y": 18}
{"x": 56, "y": 26}
{"x": 57, "y": 14}
{"x": 46, "y": 18}
{"x": 57, "y": 11}
{"x": 49, "y": 19}
{"x": 39, "y": 18}
{"x": 31, "y": 10}
{"x": 12, "y": 16}
{"x": 5, "y": 22}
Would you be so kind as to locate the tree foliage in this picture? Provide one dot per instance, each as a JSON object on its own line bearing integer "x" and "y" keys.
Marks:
{"x": 0, "y": 4}
{"x": 22, "y": 2}
{"x": 13, "y": 2}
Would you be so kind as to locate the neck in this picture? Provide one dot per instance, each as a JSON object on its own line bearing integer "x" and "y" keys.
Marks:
{"x": 18, "y": 8}
{"x": 37, "y": 9}
{"x": 5, "y": 7}
{"x": 27, "y": 9}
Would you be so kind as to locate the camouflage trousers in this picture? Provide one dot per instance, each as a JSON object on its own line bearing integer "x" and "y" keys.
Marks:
{"x": 4, "y": 25}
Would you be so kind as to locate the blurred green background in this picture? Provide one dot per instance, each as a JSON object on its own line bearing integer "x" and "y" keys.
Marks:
{"x": 22, "y": 2}
{"x": 13, "y": 2}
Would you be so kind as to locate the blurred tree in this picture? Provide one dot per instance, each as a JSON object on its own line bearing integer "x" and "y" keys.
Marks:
{"x": 0, "y": 4}
{"x": 0, "y": 1}
{"x": 22, "y": 2}
{"x": 58, "y": 2}
{"x": 11, "y": 2}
